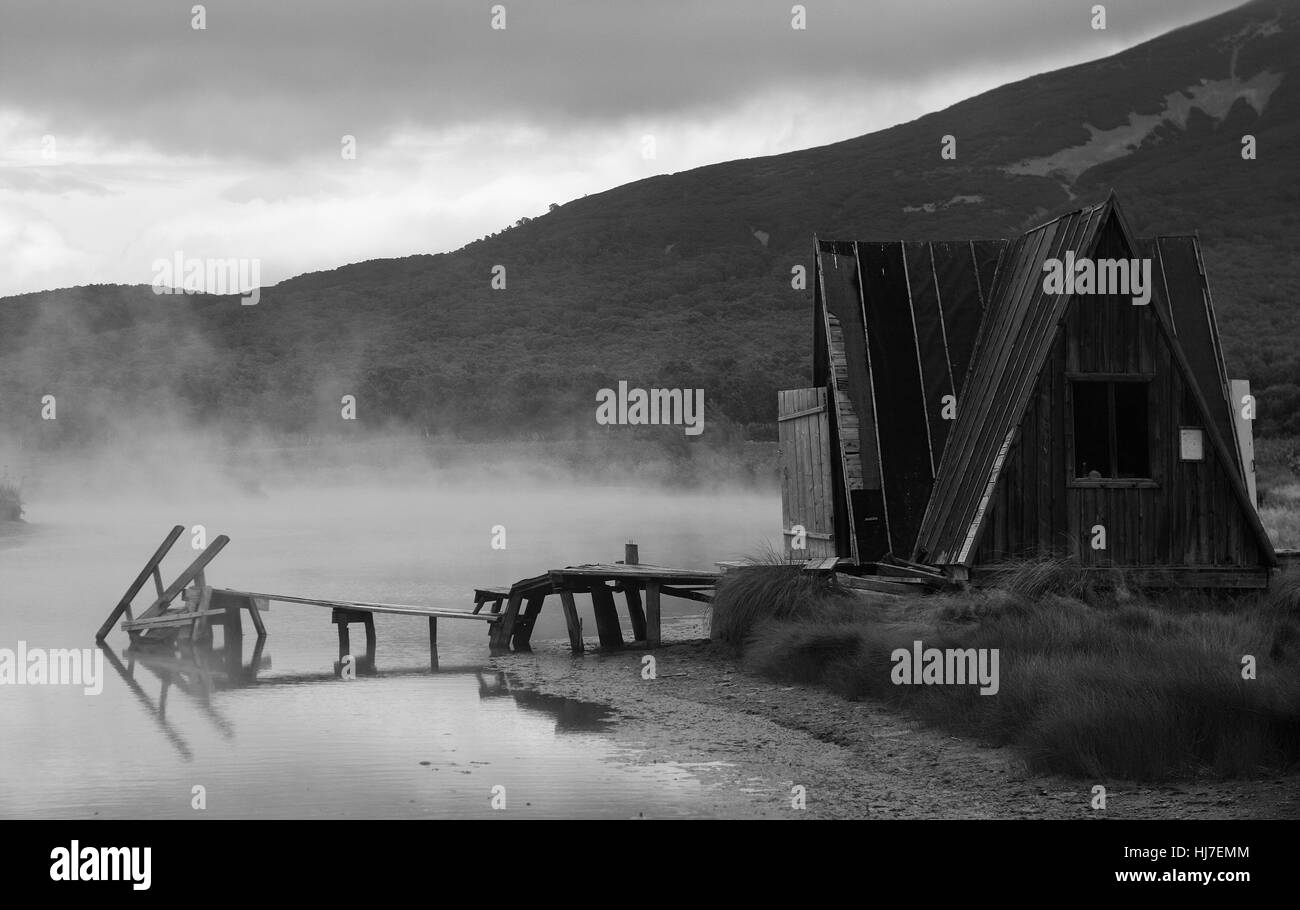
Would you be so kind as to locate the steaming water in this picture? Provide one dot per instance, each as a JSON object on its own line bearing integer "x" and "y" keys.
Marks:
{"x": 291, "y": 739}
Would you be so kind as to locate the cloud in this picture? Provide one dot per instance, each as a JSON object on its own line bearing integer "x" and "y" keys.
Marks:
{"x": 225, "y": 142}
{"x": 48, "y": 180}
{"x": 35, "y": 250}
{"x": 279, "y": 81}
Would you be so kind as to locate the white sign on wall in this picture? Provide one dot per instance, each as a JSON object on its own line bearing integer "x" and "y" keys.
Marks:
{"x": 1191, "y": 444}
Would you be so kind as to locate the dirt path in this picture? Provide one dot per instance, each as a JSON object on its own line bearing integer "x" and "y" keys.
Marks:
{"x": 751, "y": 741}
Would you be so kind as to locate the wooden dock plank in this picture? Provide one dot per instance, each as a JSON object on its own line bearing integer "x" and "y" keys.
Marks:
{"x": 641, "y": 571}
{"x": 365, "y": 606}
{"x": 687, "y": 594}
{"x": 880, "y": 585}
{"x": 165, "y": 620}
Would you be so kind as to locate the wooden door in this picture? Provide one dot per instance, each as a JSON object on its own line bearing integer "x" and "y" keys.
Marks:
{"x": 807, "y": 496}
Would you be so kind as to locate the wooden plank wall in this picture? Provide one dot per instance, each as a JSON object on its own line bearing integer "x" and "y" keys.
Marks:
{"x": 804, "y": 452}
{"x": 1187, "y": 517}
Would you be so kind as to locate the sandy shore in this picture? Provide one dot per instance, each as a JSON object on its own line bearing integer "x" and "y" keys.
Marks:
{"x": 752, "y": 741}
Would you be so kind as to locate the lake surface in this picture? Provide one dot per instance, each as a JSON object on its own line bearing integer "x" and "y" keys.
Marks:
{"x": 276, "y": 733}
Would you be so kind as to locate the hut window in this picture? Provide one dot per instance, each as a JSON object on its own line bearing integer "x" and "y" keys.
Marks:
{"x": 1110, "y": 430}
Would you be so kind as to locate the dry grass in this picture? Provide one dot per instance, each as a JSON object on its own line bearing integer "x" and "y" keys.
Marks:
{"x": 1277, "y": 465}
{"x": 1095, "y": 680}
{"x": 1281, "y": 515}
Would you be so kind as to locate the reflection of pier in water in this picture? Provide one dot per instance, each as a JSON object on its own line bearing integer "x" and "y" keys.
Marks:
{"x": 200, "y": 671}
{"x": 571, "y": 715}
{"x": 197, "y": 671}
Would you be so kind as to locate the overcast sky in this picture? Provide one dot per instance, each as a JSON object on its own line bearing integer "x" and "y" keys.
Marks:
{"x": 226, "y": 141}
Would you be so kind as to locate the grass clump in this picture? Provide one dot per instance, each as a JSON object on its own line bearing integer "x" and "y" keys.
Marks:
{"x": 1095, "y": 679}
{"x": 1278, "y": 465}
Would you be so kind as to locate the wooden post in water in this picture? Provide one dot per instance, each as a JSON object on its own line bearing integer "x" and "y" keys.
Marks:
{"x": 602, "y": 601}
{"x": 503, "y": 628}
{"x": 652, "y": 614}
{"x": 345, "y": 645}
{"x": 234, "y": 625}
{"x": 369, "y": 622}
{"x": 255, "y": 607}
{"x": 433, "y": 642}
{"x": 572, "y": 621}
{"x": 200, "y": 631}
{"x": 633, "y": 595}
{"x": 342, "y": 617}
{"x": 524, "y": 628}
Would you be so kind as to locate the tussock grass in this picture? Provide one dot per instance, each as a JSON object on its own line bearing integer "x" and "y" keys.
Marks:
{"x": 1281, "y": 516}
{"x": 1277, "y": 463}
{"x": 1096, "y": 680}
{"x": 773, "y": 591}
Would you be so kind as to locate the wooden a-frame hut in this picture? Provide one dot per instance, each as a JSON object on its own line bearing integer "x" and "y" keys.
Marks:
{"x": 965, "y": 413}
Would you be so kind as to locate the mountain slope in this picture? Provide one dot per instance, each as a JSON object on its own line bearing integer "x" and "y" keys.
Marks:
{"x": 685, "y": 280}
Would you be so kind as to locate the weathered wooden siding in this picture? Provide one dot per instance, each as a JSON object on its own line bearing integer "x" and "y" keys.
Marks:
{"x": 1186, "y": 515}
{"x": 807, "y": 488}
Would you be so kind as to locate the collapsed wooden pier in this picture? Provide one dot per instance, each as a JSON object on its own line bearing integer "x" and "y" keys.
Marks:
{"x": 188, "y": 608}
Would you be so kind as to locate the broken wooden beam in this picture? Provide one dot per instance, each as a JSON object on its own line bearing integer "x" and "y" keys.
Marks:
{"x": 150, "y": 569}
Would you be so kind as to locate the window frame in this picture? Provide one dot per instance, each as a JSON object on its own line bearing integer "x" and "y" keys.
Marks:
{"x": 1111, "y": 380}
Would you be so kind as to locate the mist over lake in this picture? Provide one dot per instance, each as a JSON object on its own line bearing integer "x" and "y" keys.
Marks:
{"x": 298, "y": 741}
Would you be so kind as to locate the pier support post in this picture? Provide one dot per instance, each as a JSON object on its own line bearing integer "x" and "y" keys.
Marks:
{"x": 572, "y": 621}
{"x": 369, "y": 623}
{"x": 652, "y": 614}
{"x": 633, "y": 595}
{"x": 522, "y": 639}
{"x": 345, "y": 646}
{"x": 433, "y": 642}
{"x": 255, "y": 607}
{"x": 342, "y": 618}
{"x": 200, "y": 630}
{"x": 504, "y": 628}
{"x": 234, "y": 624}
{"x": 602, "y": 600}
